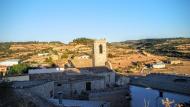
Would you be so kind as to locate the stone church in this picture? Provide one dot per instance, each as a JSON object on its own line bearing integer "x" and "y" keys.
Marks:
{"x": 76, "y": 80}
{"x": 101, "y": 67}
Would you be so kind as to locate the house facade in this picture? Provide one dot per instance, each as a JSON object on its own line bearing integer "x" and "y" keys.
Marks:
{"x": 158, "y": 65}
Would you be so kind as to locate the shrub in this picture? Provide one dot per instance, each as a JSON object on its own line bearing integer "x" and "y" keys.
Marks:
{"x": 130, "y": 71}
{"x": 19, "y": 69}
{"x": 118, "y": 70}
{"x": 64, "y": 56}
{"x": 48, "y": 60}
{"x": 111, "y": 55}
{"x": 83, "y": 41}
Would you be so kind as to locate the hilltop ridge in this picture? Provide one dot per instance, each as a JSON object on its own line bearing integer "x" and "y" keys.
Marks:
{"x": 124, "y": 56}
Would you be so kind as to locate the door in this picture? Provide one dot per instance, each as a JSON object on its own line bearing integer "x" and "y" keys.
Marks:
{"x": 88, "y": 86}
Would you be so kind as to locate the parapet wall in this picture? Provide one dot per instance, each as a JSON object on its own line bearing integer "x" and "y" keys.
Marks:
{"x": 117, "y": 97}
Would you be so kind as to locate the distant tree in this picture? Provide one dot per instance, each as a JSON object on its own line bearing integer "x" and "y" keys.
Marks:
{"x": 49, "y": 60}
{"x": 83, "y": 41}
{"x": 4, "y": 46}
{"x": 54, "y": 52}
{"x": 110, "y": 55}
{"x": 129, "y": 71}
{"x": 69, "y": 51}
{"x": 139, "y": 64}
{"x": 53, "y": 65}
{"x": 73, "y": 56}
{"x": 56, "y": 42}
{"x": 118, "y": 70}
{"x": 64, "y": 56}
{"x": 19, "y": 69}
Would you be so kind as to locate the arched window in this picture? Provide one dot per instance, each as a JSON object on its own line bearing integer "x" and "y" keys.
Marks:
{"x": 100, "y": 49}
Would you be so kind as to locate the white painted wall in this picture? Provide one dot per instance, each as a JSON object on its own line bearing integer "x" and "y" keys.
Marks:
{"x": 158, "y": 65}
{"x": 9, "y": 62}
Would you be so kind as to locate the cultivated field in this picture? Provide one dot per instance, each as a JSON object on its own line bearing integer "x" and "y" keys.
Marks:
{"x": 125, "y": 57}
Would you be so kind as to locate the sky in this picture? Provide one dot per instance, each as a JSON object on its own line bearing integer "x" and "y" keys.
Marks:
{"x": 115, "y": 20}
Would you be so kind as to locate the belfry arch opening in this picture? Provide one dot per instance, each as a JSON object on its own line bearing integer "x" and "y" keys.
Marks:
{"x": 100, "y": 49}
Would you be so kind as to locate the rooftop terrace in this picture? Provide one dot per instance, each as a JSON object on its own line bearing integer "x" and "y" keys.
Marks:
{"x": 165, "y": 82}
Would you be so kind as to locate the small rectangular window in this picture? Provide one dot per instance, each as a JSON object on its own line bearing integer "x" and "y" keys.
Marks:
{"x": 58, "y": 84}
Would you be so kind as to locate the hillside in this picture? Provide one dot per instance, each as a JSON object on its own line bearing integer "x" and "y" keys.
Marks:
{"x": 172, "y": 47}
{"x": 128, "y": 56}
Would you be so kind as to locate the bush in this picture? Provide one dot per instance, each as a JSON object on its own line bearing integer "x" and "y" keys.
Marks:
{"x": 118, "y": 70}
{"x": 130, "y": 71}
{"x": 19, "y": 69}
{"x": 64, "y": 56}
{"x": 48, "y": 60}
{"x": 111, "y": 55}
{"x": 83, "y": 41}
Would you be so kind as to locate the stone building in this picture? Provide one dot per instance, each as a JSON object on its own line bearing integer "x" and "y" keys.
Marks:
{"x": 105, "y": 72}
{"x": 76, "y": 85}
{"x": 6, "y": 64}
{"x": 158, "y": 65}
{"x": 99, "y": 52}
{"x": 84, "y": 57}
{"x": 45, "y": 70}
{"x": 42, "y": 88}
{"x": 99, "y": 63}
{"x": 73, "y": 82}
{"x": 71, "y": 85}
{"x": 99, "y": 67}
{"x": 9, "y": 62}
{"x": 173, "y": 62}
{"x": 3, "y": 70}
{"x": 48, "y": 76}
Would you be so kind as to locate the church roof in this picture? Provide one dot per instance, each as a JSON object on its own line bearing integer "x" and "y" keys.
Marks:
{"x": 76, "y": 78}
{"x": 100, "y": 69}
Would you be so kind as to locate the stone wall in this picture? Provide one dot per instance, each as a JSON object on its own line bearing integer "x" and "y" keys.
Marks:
{"x": 109, "y": 77}
{"x": 116, "y": 96}
{"x": 76, "y": 87}
{"x": 45, "y": 90}
{"x": 123, "y": 81}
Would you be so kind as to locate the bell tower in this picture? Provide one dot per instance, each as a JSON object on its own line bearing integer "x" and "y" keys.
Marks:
{"x": 99, "y": 52}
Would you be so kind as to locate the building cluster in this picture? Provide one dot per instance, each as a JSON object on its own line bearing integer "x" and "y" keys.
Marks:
{"x": 160, "y": 64}
{"x": 63, "y": 85}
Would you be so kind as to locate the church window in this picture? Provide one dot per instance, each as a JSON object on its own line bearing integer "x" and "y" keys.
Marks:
{"x": 100, "y": 49}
